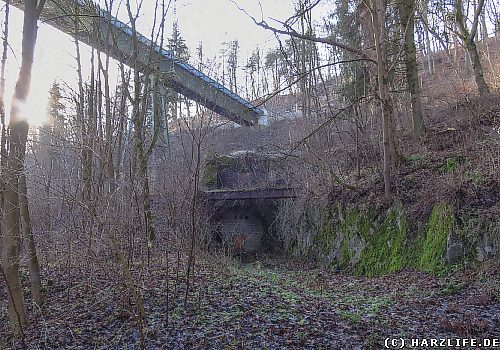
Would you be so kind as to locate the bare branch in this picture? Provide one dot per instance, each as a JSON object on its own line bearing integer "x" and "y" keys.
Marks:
{"x": 477, "y": 14}
{"x": 293, "y": 33}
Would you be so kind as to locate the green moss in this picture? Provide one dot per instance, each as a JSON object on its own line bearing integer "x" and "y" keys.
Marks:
{"x": 340, "y": 226}
{"x": 352, "y": 317}
{"x": 362, "y": 244}
{"x": 441, "y": 222}
{"x": 451, "y": 164}
{"x": 453, "y": 289}
{"x": 212, "y": 167}
{"x": 414, "y": 158}
{"x": 345, "y": 256}
{"x": 387, "y": 249}
{"x": 353, "y": 226}
{"x": 368, "y": 243}
{"x": 210, "y": 174}
{"x": 324, "y": 239}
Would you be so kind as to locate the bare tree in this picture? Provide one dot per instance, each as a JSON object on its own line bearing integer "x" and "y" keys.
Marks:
{"x": 407, "y": 22}
{"x": 29, "y": 243}
{"x": 3, "y": 136}
{"x": 468, "y": 37}
{"x": 17, "y": 146}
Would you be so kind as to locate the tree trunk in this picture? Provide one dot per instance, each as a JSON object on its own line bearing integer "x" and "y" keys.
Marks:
{"x": 29, "y": 242}
{"x": 407, "y": 13}
{"x": 428, "y": 46}
{"x": 477, "y": 67}
{"x": 380, "y": 33}
{"x": 85, "y": 151}
{"x": 18, "y": 137}
{"x": 141, "y": 154}
{"x": 3, "y": 136}
{"x": 484, "y": 27}
{"x": 11, "y": 237}
{"x": 467, "y": 37}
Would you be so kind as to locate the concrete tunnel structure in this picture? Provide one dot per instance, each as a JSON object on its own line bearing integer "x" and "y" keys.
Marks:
{"x": 243, "y": 191}
{"x": 85, "y": 21}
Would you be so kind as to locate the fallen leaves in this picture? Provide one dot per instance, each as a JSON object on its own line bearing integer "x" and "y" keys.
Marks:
{"x": 251, "y": 306}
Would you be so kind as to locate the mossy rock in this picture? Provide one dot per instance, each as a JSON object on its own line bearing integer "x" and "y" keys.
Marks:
{"x": 212, "y": 168}
{"x": 367, "y": 242}
{"x": 376, "y": 247}
{"x": 354, "y": 226}
{"x": 387, "y": 247}
{"x": 339, "y": 240}
{"x": 433, "y": 246}
{"x": 325, "y": 236}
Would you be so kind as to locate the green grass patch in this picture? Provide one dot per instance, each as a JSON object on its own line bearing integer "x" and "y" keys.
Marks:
{"x": 451, "y": 164}
{"x": 353, "y": 317}
{"x": 415, "y": 157}
{"x": 453, "y": 289}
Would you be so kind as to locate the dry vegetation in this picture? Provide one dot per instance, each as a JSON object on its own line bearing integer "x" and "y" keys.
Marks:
{"x": 126, "y": 245}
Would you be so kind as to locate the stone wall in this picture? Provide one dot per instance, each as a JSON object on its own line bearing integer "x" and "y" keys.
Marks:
{"x": 244, "y": 170}
{"x": 368, "y": 242}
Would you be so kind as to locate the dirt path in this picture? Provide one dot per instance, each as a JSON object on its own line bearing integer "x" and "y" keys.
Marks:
{"x": 249, "y": 306}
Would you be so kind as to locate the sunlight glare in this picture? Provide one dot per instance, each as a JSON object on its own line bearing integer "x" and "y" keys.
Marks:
{"x": 31, "y": 111}
{"x": 34, "y": 109}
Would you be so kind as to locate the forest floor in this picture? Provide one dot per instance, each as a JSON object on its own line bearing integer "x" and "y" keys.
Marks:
{"x": 266, "y": 304}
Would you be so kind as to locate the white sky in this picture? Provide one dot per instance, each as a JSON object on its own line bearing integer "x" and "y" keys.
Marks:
{"x": 209, "y": 21}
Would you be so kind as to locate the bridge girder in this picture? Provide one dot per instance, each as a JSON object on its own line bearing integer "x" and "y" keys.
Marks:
{"x": 100, "y": 30}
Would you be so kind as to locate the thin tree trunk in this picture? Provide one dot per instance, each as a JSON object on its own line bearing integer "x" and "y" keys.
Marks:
{"x": 11, "y": 237}
{"x": 48, "y": 186}
{"x": 428, "y": 46}
{"x": 18, "y": 137}
{"x": 193, "y": 220}
{"x": 3, "y": 137}
{"x": 477, "y": 67}
{"x": 379, "y": 29}
{"x": 468, "y": 38}
{"x": 84, "y": 151}
{"x": 141, "y": 154}
{"x": 484, "y": 28}
{"x": 29, "y": 242}
{"x": 110, "y": 169}
{"x": 407, "y": 13}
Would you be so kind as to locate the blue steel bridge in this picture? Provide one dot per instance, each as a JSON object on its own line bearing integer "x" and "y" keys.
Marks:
{"x": 85, "y": 21}
{"x": 242, "y": 219}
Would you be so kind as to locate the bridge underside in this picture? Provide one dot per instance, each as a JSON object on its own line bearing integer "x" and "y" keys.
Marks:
{"x": 85, "y": 21}
{"x": 261, "y": 193}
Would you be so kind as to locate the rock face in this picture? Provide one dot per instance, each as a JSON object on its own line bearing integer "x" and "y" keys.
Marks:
{"x": 454, "y": 249}
{"x": 489, "y": 244}
{"x": 368, "y": 242}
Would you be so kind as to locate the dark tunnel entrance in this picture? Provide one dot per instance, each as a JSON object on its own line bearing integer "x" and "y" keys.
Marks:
{"x": 242, "y": 229}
